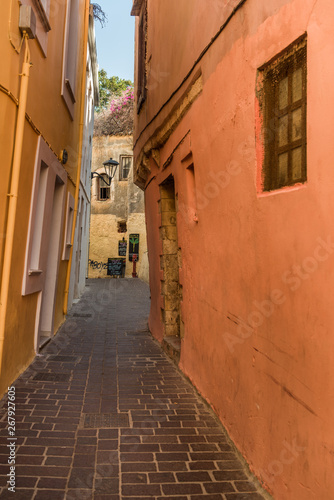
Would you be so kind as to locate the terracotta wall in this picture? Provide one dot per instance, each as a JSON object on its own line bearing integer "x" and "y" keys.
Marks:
{"x": 256, "y": 269}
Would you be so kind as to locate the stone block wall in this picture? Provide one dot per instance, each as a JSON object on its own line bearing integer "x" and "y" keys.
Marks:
{"x": 125, "y": 207}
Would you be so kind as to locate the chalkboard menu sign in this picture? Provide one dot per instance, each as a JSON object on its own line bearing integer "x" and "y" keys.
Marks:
{"x": 122, "y": 248}
{"x": 133, "y": 246}
{"x": 116, "y": 267}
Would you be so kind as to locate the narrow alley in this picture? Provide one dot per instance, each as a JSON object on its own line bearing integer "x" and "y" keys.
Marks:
{"x": 102, "y": 413}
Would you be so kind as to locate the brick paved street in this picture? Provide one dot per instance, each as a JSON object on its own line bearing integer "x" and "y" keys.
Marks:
{"x": 103, "y": 414}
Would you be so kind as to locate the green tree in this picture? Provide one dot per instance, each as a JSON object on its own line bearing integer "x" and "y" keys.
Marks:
{"x": 110, "y": 86}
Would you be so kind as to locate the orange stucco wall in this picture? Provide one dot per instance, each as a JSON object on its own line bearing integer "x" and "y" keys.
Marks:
{"x": 257, "y": 268}
{"x": 51, "y": 119}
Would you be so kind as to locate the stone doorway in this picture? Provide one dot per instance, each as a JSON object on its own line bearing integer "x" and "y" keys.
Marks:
{"x": 170, "y": 263}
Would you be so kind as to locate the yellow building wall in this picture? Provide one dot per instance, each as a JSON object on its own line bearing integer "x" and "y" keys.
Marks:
{"x": 18, "y": 346}
{"x": 126, "y": 204}
{"x": 104, "y": 238}
{"x": 7, "y": 123}
{"x": 48, "y": 116}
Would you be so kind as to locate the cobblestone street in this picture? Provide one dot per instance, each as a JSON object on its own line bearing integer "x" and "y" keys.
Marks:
{"x": 103, "y": 414}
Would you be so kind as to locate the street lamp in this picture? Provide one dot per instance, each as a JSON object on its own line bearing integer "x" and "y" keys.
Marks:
{"x": 110, "y": 167}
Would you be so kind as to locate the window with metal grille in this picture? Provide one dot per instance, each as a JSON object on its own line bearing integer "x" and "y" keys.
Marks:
{"x": 121, "y": 226}
{"x": 285, "y": 118}
{"x": 104, "y": 190}
{"x": 126, "y": 163}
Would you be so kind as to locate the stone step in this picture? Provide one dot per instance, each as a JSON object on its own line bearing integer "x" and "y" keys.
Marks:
{"x": 172, "y": 346}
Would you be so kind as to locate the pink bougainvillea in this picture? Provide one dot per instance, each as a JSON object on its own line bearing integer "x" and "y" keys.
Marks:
{"x": 118, "y": 119}
{"x": 124, "y": 99}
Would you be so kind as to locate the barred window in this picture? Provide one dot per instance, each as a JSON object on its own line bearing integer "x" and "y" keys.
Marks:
{"x": 104, "y": 190}
{"x": 285, "y": 118}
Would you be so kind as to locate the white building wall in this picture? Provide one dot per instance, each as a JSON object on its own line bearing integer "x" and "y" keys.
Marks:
{"x": 79, "y": 268}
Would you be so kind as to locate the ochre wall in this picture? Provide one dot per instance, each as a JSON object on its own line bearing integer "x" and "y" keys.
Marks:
{"x": 104, "y": 239}
{"x": 258, "y": 340}
{"x": 126, "y": 204}
{"x": 50, "y": 118}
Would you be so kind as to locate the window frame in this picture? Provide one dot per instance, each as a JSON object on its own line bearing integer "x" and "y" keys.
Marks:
{"x": 122, "y": 158}
{"x": 70, "y": 50}
{"x": 140, "y": 10}
{"x": 105, "y": 186}
{"x": 283, "y": 66}
{"x": 68, "y": 227}
{"x": 122, "y": 226}
{"x": 40, "y": 217}
{"x": 42, "y": 10}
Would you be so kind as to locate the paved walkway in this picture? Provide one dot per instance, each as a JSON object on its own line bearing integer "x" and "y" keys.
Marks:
{"x": 103, "y": 414}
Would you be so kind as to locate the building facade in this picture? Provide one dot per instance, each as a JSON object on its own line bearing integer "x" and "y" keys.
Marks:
{"x": 118, "y": 228}
{"x": 42, "y": 102}
{"x": 232, "y": 149}
{"x": 79, "y": 268}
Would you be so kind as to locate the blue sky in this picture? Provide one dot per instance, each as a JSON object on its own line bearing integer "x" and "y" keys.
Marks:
{"x": 115, "y": 42}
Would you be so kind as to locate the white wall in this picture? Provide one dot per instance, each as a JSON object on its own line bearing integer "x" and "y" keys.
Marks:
{"x": 81, "y": 239}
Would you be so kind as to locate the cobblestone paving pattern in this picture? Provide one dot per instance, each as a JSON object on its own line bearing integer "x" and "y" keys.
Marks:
{"x": 121, "y": 422}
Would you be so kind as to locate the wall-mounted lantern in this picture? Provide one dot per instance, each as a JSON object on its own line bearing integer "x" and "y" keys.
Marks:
{"x": 110, "y": 167}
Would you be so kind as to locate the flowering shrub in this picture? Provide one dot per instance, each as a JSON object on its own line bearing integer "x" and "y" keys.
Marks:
{"x": 118, "y": 102}
{"x": 118, "y": 119}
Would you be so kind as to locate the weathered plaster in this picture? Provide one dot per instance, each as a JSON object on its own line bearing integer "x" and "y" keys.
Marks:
{"x": 257, "y": 270}
{"x": 126, "y": 204}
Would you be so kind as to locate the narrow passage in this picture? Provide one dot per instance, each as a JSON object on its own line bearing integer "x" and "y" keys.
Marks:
{"x": 103, "y": 414}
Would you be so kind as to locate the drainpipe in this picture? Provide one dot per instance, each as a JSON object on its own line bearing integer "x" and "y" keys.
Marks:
{"x": 13, "y": 194}
{"x": 77, "y": 187}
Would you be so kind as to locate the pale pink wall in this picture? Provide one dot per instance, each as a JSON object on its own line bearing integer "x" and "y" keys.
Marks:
{"x": 271, "y": 385}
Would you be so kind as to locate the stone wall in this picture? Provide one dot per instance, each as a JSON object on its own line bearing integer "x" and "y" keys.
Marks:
{"x": 125, "y": 206}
